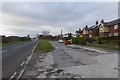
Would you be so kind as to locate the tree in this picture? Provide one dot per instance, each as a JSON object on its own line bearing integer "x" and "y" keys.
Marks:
{"x": 69, "y": 36}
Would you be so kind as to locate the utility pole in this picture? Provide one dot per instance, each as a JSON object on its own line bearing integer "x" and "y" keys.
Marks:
{"x": 61, "y": 34}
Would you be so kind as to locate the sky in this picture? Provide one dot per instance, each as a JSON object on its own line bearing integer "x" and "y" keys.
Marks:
{"x": 31, "y": 18}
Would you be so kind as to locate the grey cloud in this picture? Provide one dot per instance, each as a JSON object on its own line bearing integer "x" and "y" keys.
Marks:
{"x": 65, "y": 15}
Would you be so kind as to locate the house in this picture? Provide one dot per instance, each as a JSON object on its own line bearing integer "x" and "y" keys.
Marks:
{"x": 94, "y": 30}
{"x": 86, "y": 32}
{"x": 114, "y": 27}
{"x": 81, "y": 32}
{"x": 109, "y": 28}
{"x": 77, "y": 33}
{"x": 103, "y": 28}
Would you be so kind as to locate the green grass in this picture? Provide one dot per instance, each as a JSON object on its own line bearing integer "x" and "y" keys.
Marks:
{"x": 104, "y": 46}
{"x": 44, "y": 46}
{"x": 10, "y": 43}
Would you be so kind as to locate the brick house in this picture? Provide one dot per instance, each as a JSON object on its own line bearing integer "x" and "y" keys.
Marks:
{"x": 109, "y": 28}
{"x": 94, "y": 30}
{"x": 86, "y": 32}
{"x": 81, "y": 32}
{"x": 113, "y": 27}
{"x": 103, "y": 28}
{"x": 77, "y": 33}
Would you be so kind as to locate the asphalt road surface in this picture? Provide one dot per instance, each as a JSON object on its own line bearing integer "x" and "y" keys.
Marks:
{"x": 14, "y": 55}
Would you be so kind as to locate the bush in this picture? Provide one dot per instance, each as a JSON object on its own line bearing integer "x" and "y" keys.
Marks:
{"x": 82, "y": 40}
{"x": 100, "y": 39}
{"x": 79, "y": 40}
{"x": 104, "y": 41}
{"x": 4, "y": 40}
{"x": 91, "y": 40}
{"x": 75, "y": 40}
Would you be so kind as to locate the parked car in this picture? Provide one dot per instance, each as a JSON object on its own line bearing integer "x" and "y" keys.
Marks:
{"x": 60, "y": 41}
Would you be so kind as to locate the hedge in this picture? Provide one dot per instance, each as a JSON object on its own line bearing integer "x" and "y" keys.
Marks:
{"x": 79, "y": 40}
{"x": 105, "y": 39}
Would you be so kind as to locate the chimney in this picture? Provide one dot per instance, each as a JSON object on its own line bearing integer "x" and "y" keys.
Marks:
{"x": 96, "y": 23}
{"x": 86, "y": 26}
{"x": 102, "y": 21}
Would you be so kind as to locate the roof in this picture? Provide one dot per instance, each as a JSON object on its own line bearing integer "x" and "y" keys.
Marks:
{"x": 86, "y": 27}
{"x": 114, "y": 22}
{"x": 93, "y": 27}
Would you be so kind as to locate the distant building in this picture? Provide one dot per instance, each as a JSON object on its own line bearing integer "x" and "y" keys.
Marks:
{"x": 45, "y": 33}
{"x": 28, "y": 36}
{"x": 2, "y": 36}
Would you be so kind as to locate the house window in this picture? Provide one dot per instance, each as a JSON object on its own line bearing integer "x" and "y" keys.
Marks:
{"x": 90, "y": 36}
{"x": 115, "y": 26}
{"x": 110, "y": 34}
{"x": 115, "y": 34}
{"x": 90, "y": 31}
{"x": 100, "y": 28}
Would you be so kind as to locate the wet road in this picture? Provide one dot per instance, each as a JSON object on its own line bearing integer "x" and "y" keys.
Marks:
{"x": 13, "y": 55}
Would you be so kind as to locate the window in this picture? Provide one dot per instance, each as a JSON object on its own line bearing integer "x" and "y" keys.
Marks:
{"x": 115, "y": 34}
{"x": 90, "y": 36}
{"x": 110, "y": 34}
{"x": 90, "y": 31}
{"x": 101, "y": 29}
{"x": 115, "y": 26}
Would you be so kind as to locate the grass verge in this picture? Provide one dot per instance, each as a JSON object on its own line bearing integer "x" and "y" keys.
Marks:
{"x": 10, "y": 43}
{"x": 44, "y": 46}
{"x": 105, "y": 46}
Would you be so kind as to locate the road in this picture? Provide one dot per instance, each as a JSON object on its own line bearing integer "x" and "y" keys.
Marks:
{"x": 72, "y": 61}
{"x": 14, "y": 55}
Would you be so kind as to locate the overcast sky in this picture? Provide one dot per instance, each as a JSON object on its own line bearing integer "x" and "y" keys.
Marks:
{"x": 23, "y": 18}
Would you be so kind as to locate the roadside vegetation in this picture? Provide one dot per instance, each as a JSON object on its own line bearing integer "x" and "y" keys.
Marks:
{"x": 44, "y": 46}
{"x": 5, "y": 41}
{"x": 10, "y": 43}
{"x": 99, "y": 42}
{"x": 50, "y": 37}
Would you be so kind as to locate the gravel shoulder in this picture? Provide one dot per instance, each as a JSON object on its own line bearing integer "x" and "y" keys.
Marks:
{"x": 66, "y": 62}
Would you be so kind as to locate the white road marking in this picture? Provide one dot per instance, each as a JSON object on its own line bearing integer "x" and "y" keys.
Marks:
{"x": 13, "y": 75}
{"x": 35, "y": 46}
{"x": 22, "y": 63}
{"x": 21, "y": 73}
{"x": 4, "y": 51}
{"x": 55, "y": 46}
{"x": 27, "y": 61}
